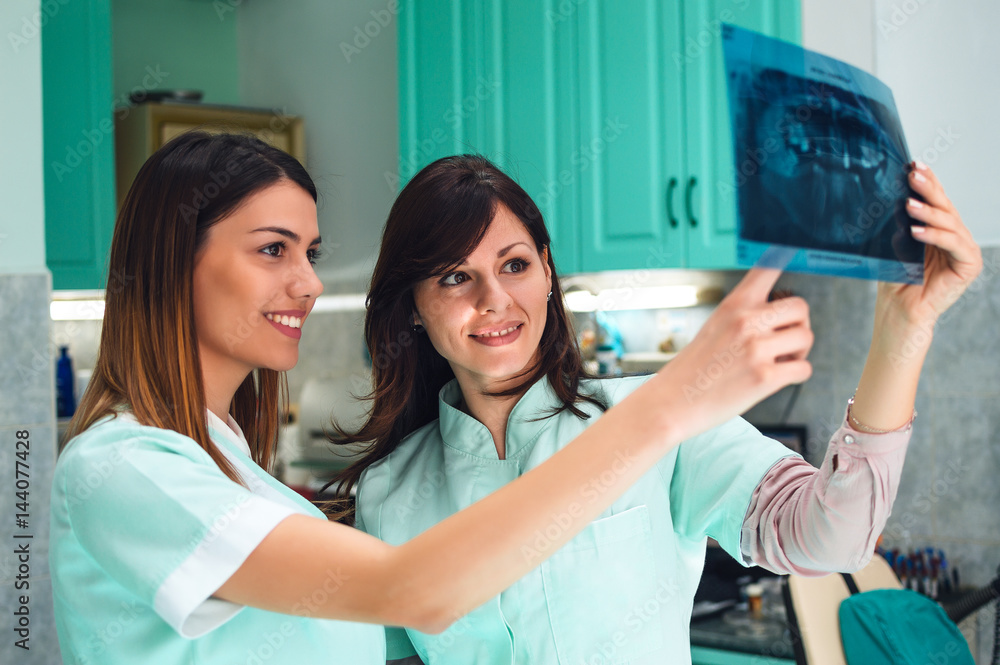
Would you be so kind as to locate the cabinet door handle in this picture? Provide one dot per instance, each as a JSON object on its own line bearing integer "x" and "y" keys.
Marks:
{"x": 687, "y": 201}
{"x": 671, "y": 186}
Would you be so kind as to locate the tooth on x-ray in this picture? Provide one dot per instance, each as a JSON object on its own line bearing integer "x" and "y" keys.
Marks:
{"x": 820, "y": 163}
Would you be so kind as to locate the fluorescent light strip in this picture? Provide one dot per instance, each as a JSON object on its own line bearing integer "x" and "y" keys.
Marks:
{"x": 76, "y": 310}
{"x": 350, "y": 302}
{"x": 608, "y": 300}
{"x": 93, "y": 309}
{"x": 646, "y": 297}
{"x": 580, "y": 301}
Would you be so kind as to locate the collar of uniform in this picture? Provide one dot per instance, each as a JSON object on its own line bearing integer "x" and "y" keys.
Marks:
{"x": 527, "y": 420}
{"x": 230, "y": 431}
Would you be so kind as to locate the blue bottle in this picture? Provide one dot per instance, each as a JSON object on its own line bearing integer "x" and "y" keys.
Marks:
{"x": 65, "y": 384}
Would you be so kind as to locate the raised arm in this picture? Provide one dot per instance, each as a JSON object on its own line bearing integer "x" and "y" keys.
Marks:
{"x": 905, "y": 314}
{"x": 807, "y": 521}
{"x": 747, "y": 350}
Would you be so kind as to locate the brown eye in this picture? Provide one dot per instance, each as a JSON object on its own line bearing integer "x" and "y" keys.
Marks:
{"x": 516, "y": 265}
{"x": 453, "y": 279}
{"x": 274, "y": 249}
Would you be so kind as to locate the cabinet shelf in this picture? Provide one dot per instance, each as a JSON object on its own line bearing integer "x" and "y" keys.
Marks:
{"x": 143, "y": 129}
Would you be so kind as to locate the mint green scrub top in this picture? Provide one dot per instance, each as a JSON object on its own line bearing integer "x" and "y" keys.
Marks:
{"x": 145, "y": 527}
{"x": 622, "y": 590}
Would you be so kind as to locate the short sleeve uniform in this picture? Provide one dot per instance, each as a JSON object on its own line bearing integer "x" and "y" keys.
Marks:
{"x": 145, "y": 527}
{"x": 622, "y": 590}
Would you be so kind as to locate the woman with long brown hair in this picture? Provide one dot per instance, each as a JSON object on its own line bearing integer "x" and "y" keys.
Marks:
{"x": 170, "y": 543}
{"x": 488, "y": 386}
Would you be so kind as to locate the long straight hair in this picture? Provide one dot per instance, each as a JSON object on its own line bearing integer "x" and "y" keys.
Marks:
{"x": 148, "y": 360}
{"x": 437, "y": 220}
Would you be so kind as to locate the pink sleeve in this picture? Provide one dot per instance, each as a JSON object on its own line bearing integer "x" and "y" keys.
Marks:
{"x": 811, "y": 522}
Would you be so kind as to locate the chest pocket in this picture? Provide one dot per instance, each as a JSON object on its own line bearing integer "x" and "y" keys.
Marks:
{"x": 596, "y": 589}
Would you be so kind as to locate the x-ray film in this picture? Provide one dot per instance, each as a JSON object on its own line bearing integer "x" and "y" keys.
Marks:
{"x": 820, "y": 164}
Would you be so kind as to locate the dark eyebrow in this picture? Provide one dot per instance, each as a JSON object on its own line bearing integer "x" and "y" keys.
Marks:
{"x": 291, "y": 235}
{"x": 503, "y": 252}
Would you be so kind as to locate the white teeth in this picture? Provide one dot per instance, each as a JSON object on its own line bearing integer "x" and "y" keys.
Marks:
{"x": 290, "y": 321}
{"x": 500, "y": 333}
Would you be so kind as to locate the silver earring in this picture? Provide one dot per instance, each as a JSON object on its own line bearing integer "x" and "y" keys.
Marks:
{"x": 548, "y": 297}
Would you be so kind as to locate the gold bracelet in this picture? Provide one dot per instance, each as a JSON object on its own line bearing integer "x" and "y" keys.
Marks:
{"x": 871, "y": 430}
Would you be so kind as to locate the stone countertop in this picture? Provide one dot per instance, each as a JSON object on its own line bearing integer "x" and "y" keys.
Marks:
{"x": 736, "y": 631}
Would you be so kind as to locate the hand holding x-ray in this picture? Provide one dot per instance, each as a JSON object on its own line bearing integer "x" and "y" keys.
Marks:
{"x": 952, "y": 259}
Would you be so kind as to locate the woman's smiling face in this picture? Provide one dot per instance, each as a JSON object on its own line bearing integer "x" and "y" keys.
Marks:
{"x": 254, "y": 282}
{"x": 486, "y": 316}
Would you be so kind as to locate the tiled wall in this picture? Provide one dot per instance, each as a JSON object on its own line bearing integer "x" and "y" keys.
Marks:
{"x": 27, "y": 387}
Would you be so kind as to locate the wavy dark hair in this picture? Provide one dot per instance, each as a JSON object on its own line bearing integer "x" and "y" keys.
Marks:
{"x": 148, "y": 357}
{"x": 437, "y": 220}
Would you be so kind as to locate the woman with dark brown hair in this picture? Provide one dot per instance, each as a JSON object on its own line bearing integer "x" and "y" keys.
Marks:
{"x": 170, "y": 543}
{"x": 478, "y": 381}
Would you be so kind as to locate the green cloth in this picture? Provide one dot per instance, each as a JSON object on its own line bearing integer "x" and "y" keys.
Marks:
{"x": 145, "y": 527}
{"x": 621, "y": 591}
{"x": 900, "y": 627}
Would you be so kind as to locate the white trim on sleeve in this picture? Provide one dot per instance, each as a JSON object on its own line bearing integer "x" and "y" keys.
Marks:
{"x": 184, "y": 599}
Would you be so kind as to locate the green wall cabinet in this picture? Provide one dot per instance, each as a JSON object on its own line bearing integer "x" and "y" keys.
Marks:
{"x": 632, "y": 120}
{"x": 612, "y": 115}
{"x": 85, "y": 75}
{"x": 709, "y": 196}
{"x": 491, "y": 78}
{"x": 78, "y": 135}
{"x": 531, "y": 126}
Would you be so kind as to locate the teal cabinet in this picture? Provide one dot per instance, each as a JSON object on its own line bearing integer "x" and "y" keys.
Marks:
{"x": 443, "y": 88}
{"x": 611, "y": 114}
{"x": 491, "y": 78}
{"x": 531, "y": 122}
{"x": 661, "y": 194}
{"x": 78, "y": 132}
{"x": 631, "y": 130}
{"x": 709, "y": 194}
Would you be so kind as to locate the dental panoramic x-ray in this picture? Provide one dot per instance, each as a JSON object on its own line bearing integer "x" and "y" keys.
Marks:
{"x": 821, "y": 164}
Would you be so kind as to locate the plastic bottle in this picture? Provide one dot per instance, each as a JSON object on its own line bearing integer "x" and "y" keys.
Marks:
{"x": 609, "y": 346}
{"x": 608, "y": 334}
{"x": 607, "y": 361}
{"x": 65, "y": 385}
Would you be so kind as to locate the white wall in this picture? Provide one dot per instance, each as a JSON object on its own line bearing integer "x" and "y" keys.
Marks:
{"x": 841, "y": 29}
{"x": 22, "y": 188}
{"x": 292, "y": 53}
{"x": 941, "y": 60}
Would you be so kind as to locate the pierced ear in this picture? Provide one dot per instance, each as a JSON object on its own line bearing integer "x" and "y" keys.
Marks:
{"x": 545, "y": 262}
{"x": 416, "y": 319}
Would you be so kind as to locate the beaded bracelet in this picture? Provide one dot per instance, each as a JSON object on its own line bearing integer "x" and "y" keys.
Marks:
{"x": 871, "y": 430}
